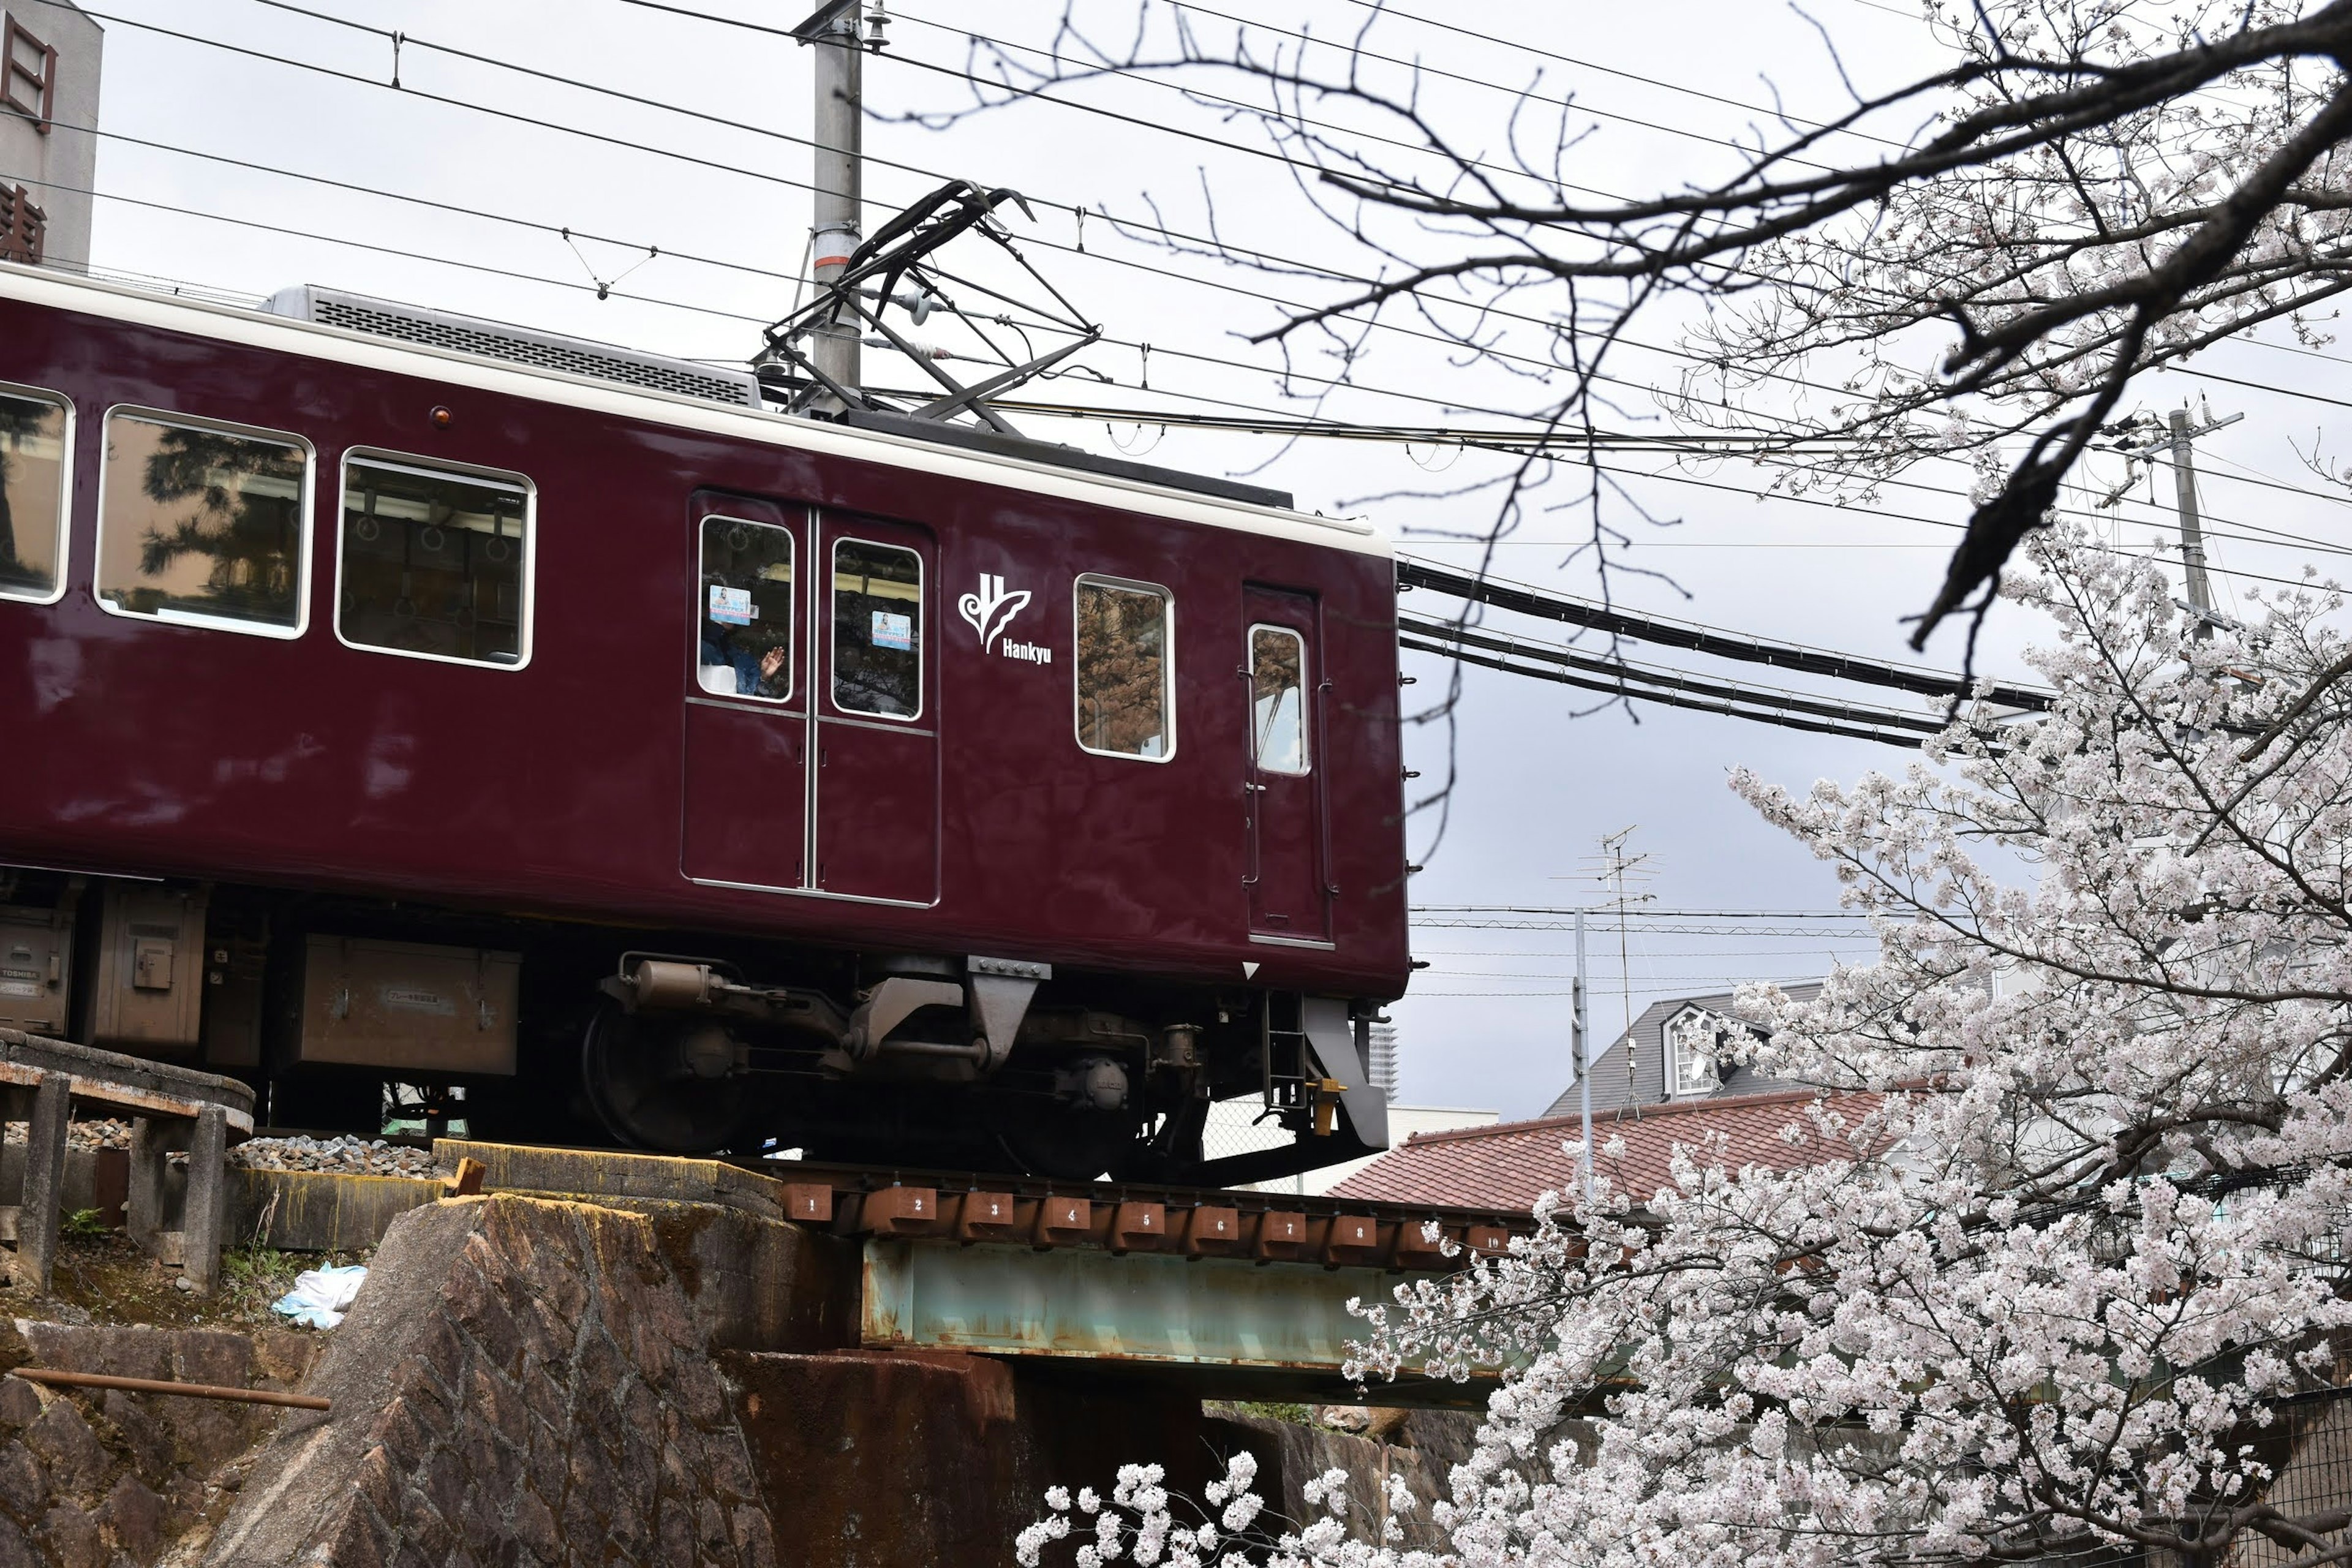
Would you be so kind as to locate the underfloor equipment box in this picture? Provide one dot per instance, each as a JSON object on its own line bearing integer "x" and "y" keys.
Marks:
{"x": 407, "y": 1007}
{"x": 35, "y": 969}
{"x": 150, "y": 994}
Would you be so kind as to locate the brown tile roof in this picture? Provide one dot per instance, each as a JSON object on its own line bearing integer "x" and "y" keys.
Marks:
{"x": 1509, "y": 1164}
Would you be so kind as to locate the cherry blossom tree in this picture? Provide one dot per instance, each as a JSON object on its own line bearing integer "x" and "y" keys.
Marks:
{"x": 1975, "y": 262}
{"x": 2073, "y": 1261}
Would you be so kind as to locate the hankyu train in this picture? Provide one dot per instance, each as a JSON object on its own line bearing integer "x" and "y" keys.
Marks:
{"x": 564, "y": 737}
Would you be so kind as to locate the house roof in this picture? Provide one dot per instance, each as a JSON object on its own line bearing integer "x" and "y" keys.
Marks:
{"x": 1510, "y": 1165}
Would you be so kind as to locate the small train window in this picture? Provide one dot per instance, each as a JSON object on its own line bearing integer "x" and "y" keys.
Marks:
{"x": 205, "y": 523}
{"x": 877, "y": 630}
{"x": 35, "y": 446}
{"x": 434, "y": 562}
{"x": 1277, "y": 699}
{"x": 745, "y": 616}
{"x": 1125, "y": 671}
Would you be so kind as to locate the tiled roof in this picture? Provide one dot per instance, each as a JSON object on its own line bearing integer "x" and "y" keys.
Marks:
{"x": 1508, "y": 1165}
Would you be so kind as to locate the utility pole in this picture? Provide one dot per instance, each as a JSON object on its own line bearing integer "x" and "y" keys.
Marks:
{"x": 2180, "y": 439}
{"x": 1582, "y": 1030}
{"x": 838, "y": 130}
{"x": 1618, "y": 863}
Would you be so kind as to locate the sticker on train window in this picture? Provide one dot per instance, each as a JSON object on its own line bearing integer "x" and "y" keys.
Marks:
{"x": 732, "y": 606}
{"x": 877, "y": 630}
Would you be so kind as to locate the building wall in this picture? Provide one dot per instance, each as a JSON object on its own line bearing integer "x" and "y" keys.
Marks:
{"x": 61, "y": 166}
{"x": 1646, "y": 1042}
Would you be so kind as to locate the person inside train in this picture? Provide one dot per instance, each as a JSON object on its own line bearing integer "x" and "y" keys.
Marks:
{"x": 737, "y": 658}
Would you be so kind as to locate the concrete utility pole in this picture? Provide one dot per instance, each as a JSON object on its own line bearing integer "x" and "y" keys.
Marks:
{"x": 2192, "y": 529}
{"x": 1582, "y": 1029}
{"x": 838, "y": 130}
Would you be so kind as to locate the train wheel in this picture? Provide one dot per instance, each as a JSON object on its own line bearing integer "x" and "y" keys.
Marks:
{"x": 660, "y": 1085}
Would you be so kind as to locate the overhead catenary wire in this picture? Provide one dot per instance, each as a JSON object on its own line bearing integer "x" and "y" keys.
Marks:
{"x": 760, "y": 174}
{"x": 1221, "y": 246}
{"x": 1784, "y": 716}
{"x": 575, "y": 285}
{"x": 1637, "y": 680}
{"x": 1547, "y": 604}
{"x": 1641, "y": 913}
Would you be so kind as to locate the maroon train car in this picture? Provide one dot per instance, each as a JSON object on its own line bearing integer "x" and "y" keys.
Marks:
{"x": 377, "y": 709}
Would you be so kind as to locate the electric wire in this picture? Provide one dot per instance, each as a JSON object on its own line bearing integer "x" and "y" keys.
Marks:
{"x": 1529, "y": 49}
{"x": 1455, "y": 637}
{"x": 1174, "y": 236}
{"x": 1783, "y": 717}
{"x": 574, "y": 286}
{"x": 690, "y": 158}
{"x": 1643, "y": 913}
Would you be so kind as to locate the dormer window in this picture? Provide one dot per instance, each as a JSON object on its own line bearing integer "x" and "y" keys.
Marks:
{"x": 28, "y": 75}
{"x": 1694, "y": 1038}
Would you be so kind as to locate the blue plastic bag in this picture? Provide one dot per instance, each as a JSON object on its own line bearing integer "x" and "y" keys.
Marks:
{"x": 321, "y": 1295}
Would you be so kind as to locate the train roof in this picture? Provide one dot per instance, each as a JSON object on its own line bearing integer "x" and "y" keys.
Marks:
{"x": 260, "y": 329}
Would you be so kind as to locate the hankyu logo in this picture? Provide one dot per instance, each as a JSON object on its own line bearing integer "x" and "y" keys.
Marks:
{"x": 992, "y": 609}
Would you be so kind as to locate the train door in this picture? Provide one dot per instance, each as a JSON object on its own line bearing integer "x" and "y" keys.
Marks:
{"x": 1289, "y": 857}
{"x": 747, "y": 711}
{"x": 877, "y": 763}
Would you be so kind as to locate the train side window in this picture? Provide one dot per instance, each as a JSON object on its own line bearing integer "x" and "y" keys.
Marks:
{"x": 745, "y": 646}
{"x": 203, "y": 523}
{"x": 877, "y": 630}
{"x": 1125, "y": 669}
{"x": 36, "y": 451}
{"x": 1277, "y": 699}
{"x": 435, "y": 560}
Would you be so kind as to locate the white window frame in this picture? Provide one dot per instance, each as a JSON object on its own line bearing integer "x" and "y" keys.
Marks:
{"x": 64, "y": 495}
{"x": 1167, "y": 664}
{"x": 702, "y": 609}
{"x": 1676, "y": 1086}
{"x": 435, "y": 468}
{"x": 922, "y": 638}
{"x": 306, "y": 531}
{"x": 1306, "y": 685}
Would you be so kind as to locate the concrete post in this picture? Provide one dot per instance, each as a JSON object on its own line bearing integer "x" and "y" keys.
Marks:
{"x": 200, "y": 1229}
{"x": 151, "y": 1138}
{"x": 44, "y": 1181}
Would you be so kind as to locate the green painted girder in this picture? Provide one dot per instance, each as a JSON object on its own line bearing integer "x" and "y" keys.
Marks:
{"x": 1086, "y": 1304}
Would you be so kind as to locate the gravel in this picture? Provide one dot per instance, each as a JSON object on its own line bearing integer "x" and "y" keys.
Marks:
{"x": 84, "y": 1134}
{"x": 358, "y": 1156}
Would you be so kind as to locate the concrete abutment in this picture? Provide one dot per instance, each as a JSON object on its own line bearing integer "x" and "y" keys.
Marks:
{"x": 531, "y": 1379}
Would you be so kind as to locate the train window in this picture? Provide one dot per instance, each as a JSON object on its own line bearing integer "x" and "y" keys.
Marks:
{"x": 1125, "y": 671}
{"x": 746, "y": 613}
{"x": 35, "y": 439}
{"x": 436, "y": 562}
{"x": 877, "y": 630}
{"x": 1278, "y": 700}
{"x": 203, "y": 522}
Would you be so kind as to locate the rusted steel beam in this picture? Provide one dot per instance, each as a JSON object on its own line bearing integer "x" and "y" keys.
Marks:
{"x": 57, "y": 1379}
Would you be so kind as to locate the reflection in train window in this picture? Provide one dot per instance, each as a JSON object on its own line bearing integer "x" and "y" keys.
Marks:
{"x": 203, "y": 523}
{"x": 1277, "y": 699}
{"x": 877, "y": 630}
{"x": 36, "y": 430}
{"x": 1126, "y": 690}
{"x": 436, "y": 562}
{"x": 745, "y": 617}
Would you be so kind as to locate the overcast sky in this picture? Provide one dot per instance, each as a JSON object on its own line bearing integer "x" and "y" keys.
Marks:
{"x": 1485, "y": 1026}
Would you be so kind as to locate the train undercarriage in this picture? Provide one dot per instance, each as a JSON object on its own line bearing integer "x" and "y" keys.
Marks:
{"x": 350, "y": 1014}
